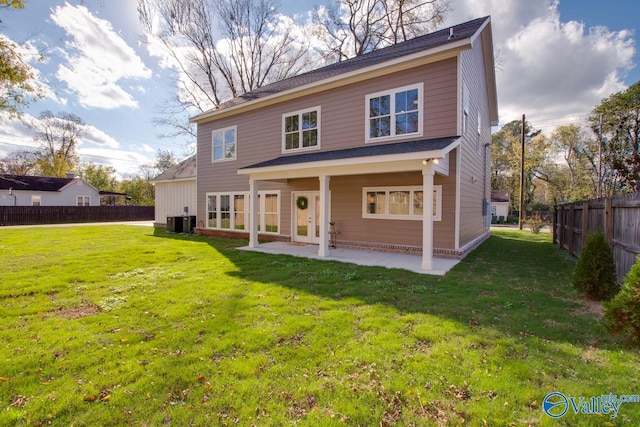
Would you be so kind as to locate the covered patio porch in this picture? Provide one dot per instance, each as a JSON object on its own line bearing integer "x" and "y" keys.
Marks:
{"x": 439, "y": 266}
{"x": 426, "y": 156}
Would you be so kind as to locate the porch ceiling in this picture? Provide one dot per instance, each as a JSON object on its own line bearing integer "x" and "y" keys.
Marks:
{"x": 380, "y": 158}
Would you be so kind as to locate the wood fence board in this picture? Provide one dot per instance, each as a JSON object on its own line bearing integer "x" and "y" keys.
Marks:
{"x": 618, "y": 217}
{"x": 33, "y": 215}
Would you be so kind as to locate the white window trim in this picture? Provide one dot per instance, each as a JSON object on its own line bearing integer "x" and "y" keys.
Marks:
{"x": 465, "y": 107}
{"x": 225, "y": 159}
{"x": 83, "y": 200}
{"x": 262, "y": 218}
{"x": 36, "y": 198}
{"x": 247, "y": 208}
{"x": 391, "y": 93}
{"x": 299, "y": 113}
{"x": 479, "y": 134}
{"x": 437, "y": 213}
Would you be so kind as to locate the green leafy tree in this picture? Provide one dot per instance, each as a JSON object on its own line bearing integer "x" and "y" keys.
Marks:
{"x": 16, "y": 76}
{"x": 616, "y": 122}
{"x": 505, "y": 157}
{"x": 100, "y": 176}
{"x": 569, "y": 167}
{"x": 622, "y": 313}
{"x": 58, "y": 136}
{"x": 139, "y": 190}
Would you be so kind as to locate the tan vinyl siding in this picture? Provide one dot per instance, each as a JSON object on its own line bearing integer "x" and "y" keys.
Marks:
{"x": 474, "y": 180}
{"x": 342, "y": 125}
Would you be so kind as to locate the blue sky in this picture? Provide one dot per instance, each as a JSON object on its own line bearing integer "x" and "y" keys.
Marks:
{"x": 557, "y": 61}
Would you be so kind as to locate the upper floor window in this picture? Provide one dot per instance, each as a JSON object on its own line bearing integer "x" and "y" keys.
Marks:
{"x": 224, "y": 144}
{"x": 394, "y": 113}
{"x": 301, "y": 130}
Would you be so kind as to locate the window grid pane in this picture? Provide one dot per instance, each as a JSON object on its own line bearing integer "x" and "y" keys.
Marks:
{"x": 399, "y": 203}
{"x": 418, "y": 203}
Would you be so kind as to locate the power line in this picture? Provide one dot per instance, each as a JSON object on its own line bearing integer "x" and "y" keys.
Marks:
{"x": 83, "y": 155}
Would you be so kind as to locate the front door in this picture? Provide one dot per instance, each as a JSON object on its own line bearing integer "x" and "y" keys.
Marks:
{"x": 306, "y": 227}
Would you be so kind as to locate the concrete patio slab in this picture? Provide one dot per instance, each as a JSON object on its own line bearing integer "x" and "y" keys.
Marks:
{"x": 360, "y": 257}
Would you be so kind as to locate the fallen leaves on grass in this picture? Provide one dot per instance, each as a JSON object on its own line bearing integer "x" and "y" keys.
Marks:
{"x": 18, "y": 401}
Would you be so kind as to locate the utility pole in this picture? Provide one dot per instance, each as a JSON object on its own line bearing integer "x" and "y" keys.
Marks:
{"x": 520, "y": 214}
{"x": 600, "y": 159}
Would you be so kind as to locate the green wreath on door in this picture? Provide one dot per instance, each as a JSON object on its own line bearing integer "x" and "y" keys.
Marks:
{"x": 302, "y": 203}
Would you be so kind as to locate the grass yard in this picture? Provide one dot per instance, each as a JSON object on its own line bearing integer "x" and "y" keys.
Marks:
{"x": 122, "y": 325}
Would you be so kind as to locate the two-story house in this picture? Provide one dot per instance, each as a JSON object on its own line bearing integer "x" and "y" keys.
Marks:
{"x": 391, "y": 148}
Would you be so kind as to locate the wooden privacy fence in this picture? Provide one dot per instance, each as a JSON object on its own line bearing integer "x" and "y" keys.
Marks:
{"x": 618, "y": 217}
{"x": 30, "y": 215}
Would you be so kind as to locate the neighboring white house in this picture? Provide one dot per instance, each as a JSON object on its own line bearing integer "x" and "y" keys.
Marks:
{"x": 23, "y": 190}
{"x": 500, "y": 202}
{"x": 175, "y": 191}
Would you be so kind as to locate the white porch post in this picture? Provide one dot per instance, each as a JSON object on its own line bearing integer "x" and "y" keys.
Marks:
{"x": 253, "y": 220}
{"x": 323, "y": 250}
{"x": 427, "y": 216}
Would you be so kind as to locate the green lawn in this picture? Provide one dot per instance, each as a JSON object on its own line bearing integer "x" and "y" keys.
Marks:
{"x": 130, "y": 326}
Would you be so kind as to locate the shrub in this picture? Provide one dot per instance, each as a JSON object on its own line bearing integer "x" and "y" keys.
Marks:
{"x": 536, "y": 223}
{"x": 595, "y": 272}
{"x": 622, "y": 313}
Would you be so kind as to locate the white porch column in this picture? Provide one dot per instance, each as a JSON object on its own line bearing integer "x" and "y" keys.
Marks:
{"x": 253, "y": 217}
{"x": 323, "y": 250}
{"x": 427, "y": 216}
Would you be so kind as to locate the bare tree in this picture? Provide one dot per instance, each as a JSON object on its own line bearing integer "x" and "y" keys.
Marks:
{"x": 349, "y": 28}
{"x": 20, "y": 162}
{"x": 58, "y": 136}
{"x": 221, "y": 49}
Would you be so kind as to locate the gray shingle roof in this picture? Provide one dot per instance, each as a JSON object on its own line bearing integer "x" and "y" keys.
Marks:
{"x": 183, "y": 170}
{"x": 366, "y": 151}
{"x": 33, "y": 183}
{"x": 418, "y": 44}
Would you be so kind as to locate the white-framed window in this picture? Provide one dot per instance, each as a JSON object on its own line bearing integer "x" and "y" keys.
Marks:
{"x": 395, "y": 113}
{"x": 301, "y": 130}
{"x": 224, "y": 144}
{"x": 269, "y": 211}
{"x": 406, "y": 203}
{"x": 230, "y": 211}
{"x": 479, "y": 134}
{"x": 83, "y": 200}
{"x": 36, "y": 200}
{"x": 466, "y": 105}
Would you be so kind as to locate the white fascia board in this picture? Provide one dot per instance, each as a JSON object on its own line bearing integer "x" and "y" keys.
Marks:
{"x": 354, "y": 166}
{"x": 164, "y": 181}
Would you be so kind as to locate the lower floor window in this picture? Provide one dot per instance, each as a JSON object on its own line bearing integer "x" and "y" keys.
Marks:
{"x": 230, "y": 211}
{"x": 84, "y": 201}
{"x": 399, "y": 202}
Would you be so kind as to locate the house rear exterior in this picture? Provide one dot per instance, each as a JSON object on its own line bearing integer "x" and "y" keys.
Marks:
{"x": 390, "y": 150}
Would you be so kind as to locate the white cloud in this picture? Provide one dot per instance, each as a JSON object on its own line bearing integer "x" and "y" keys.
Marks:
{"x": 148, "y": 149}
{"x": 93, "y": 135}
{"x": 123, "y": 161}
{"x": 97, "y": 59}
{"x": 549, "y": 69}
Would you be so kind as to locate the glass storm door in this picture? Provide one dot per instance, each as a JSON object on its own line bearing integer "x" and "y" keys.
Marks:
{"x": 306, "y": 226}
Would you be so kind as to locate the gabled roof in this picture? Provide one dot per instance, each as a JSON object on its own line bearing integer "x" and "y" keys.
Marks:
{"x": 187, "y": 169}
{"x": 452, "y": 37}
{"x": 422, "y": 145}
{"x": 33, "y": 183}
{"x": 500, "y": 196}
